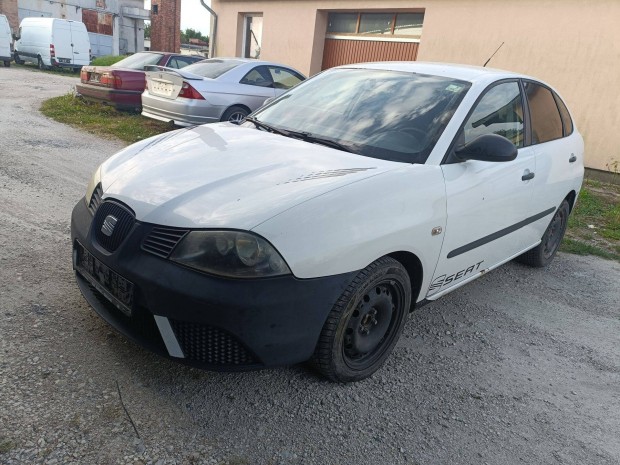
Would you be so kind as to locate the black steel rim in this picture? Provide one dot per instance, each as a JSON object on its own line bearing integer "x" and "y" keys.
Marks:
{"x": 371, "y": 327}
{"x": 554, "y": 234}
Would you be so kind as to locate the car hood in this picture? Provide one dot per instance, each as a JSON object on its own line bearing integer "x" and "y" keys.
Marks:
{"x": 227, "y": 176}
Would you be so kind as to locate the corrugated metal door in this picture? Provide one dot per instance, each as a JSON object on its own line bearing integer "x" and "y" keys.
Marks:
{"x": 345, "y": 51}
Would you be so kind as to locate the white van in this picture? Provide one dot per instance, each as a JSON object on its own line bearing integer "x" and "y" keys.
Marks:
{"x": 6, "y": 41}
{"x": 52, "y": 42}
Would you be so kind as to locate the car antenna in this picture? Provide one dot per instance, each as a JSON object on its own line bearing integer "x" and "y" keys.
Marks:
{"x": 487, "y": 62}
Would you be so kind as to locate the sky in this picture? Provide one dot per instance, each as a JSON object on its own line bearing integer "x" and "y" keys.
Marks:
{"x": 193, "y": 15}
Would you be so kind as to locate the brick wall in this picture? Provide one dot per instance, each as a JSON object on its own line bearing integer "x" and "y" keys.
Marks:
{"x": 9, "y": 9}
{"x": 165, "y": 25}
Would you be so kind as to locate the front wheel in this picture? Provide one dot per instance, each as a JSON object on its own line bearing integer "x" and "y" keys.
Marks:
{"x": 365, "y": 323}
{"x": 235, "y": 115}
{"x": 543, "y": 254}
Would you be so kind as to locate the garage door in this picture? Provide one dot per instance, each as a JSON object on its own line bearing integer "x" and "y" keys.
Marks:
{"x": 341, "y": 52}
{"x": 358, "y": 36}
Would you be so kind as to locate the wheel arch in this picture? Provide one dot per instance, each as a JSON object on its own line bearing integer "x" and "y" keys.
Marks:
{"x": 414, "y": 268}
{"x": 571, "y": 198}
{"x": 240, "y": 105}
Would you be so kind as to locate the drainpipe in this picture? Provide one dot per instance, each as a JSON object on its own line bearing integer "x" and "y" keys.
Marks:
{"x": 214, "y": 31}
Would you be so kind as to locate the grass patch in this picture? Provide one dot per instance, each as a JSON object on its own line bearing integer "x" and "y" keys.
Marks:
{"x": 594, "y": 225}
{"x": 55, "y": 71}
{"x": 101, "y": 119}
{"x": 107, "y": 60}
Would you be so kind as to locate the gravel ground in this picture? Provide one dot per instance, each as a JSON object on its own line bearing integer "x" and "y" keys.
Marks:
{"x": 520, "y": 366}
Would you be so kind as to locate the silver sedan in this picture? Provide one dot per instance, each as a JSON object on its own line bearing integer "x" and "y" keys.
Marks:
{"x": 219, "y": 89}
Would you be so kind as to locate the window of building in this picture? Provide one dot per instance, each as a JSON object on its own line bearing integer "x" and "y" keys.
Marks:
{"x": 544, "y": 113}
{"x": 499, "y": 111}
{"x": 379, "y": 24}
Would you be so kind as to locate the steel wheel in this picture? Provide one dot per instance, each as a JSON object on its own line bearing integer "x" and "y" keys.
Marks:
{"x": 365, "y": 323}
{"x": 543, "y": 254}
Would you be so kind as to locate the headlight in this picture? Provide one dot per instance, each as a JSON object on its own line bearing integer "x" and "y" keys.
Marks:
{"x": 230, "y": 253}
{"x": 94, "y": 180}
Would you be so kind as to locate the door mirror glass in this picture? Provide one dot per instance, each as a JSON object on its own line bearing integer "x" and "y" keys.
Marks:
{"x": 488, "y": 147}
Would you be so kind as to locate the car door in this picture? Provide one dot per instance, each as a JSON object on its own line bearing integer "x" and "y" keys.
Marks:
{"x": 558, "y": 149}
{"x": 62, "y": 42}
{"x": 489, "y": 204}
{"x": 283, "y": 79}
{"x": 255, "y": 87}
{"x": 80, "y": 44}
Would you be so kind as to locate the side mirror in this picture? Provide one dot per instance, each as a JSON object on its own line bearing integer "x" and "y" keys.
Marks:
{"x": 488, "y": 147}
{"x": 16, "y": 37}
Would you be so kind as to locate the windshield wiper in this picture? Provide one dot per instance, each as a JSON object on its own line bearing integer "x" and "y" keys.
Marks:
{"x": 267, "y": 127}
{"x": 307, "y": 137}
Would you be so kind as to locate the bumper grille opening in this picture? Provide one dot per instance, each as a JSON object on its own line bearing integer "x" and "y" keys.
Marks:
{"x": 162, "y": 241}
{"x": 210, "y": 345}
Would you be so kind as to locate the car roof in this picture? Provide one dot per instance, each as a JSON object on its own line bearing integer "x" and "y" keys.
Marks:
{"x": 462, "y": 72}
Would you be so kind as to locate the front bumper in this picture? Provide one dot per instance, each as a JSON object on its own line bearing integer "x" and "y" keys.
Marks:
{"x": 203, "y": 320}
{"x": 118, "y": 98}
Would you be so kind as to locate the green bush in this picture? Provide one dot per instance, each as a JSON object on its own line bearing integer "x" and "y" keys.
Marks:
{"x": 107, "y": 60}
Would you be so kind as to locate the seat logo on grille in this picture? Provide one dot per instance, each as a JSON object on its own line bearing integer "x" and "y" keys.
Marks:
{"x": 108, "y": 225}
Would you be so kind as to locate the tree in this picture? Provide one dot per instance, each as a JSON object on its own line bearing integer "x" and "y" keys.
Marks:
{"x": 190, "y": 33}
{"x": 147, "y": 30}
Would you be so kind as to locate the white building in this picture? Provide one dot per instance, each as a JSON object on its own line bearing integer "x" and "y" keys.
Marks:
{"x": 115, "y": 27}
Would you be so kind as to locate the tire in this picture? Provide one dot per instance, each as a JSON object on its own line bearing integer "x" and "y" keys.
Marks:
{"x": 365, "y": 323}
{"x": 7, "y": 63}
{"x": 17, "y": 59}
{"x": 235, "y": 115}
{"x": 40, "y": 64}
{"x": 541, "y": 255}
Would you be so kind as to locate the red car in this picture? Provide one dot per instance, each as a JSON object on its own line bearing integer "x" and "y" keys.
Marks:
{"x": 121, "y": 85}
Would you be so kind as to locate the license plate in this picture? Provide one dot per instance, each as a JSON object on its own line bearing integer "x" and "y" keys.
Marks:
{"x": 94, "y": 77}
{"x": 113, "y": 286}
{"x": 64, "y": 60}
{"x": 162, "y": 88}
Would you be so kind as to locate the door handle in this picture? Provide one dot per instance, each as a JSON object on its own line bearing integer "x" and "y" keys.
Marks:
{"x": 527, "y": 176}
{"x": 573, "y": 158}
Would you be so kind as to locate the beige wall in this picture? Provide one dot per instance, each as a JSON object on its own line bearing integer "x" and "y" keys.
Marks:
{"x": 574, "y": 45}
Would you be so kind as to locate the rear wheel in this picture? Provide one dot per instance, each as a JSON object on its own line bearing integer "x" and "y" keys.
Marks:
{"x": 235, "y": 115}
{"x": 7, "y": 63}
{"x": 40, "y": 64}
{"x": 365, "y": 323}
{"x": 543, "y": 254}
{"x": 18, "y": 60}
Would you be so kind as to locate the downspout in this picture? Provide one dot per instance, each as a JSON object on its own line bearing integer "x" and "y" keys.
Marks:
{"x": 214, "y": 31}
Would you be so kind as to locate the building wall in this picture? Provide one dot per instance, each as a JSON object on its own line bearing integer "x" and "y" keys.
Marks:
{"x": 9, "y": 9}
{"x": 166, "y": 25}
{"x": 571, "y": 44}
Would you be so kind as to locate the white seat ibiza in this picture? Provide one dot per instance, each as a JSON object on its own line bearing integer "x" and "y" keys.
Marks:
{"x": 310, "y": 231}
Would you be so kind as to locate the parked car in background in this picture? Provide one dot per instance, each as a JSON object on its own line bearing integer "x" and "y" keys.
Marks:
{"x": 311, "y": 230}
{"x": 219, "y": 89}
{"x": 52, "y": 42}
{"x": 121, "y": 84}
{"x": 6, "y": 41}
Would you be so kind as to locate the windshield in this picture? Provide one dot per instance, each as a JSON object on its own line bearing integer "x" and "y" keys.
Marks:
{"x": 390, "y": 115}
{"x": 139, "y": 60}
{"x": 212, "y": 68}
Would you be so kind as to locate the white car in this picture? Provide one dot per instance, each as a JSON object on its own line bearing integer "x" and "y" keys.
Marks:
{"x": 315, "y": 227}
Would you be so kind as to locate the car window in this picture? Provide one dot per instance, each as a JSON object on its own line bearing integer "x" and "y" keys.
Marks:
{"x": 258, "y": 76}
{"x": 284, "y": 78}
{"x": 212, "y": 68}
{"x": 544, "y": 113}
{"x": 139, "y": 60}
{"x": 567, "y": 122}
{"x": 499, "y": 111}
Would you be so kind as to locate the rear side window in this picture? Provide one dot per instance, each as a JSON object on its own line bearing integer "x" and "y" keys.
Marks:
{"x": 258, "y": 76}
{"x": 284, "y": 78}
{"x": 544, "y": 114}
{"x": 567, "y": 122}
{"x": 499, "y": 111}
{"x": 212, "y": 68}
